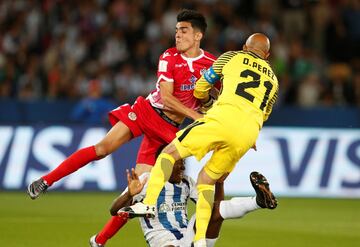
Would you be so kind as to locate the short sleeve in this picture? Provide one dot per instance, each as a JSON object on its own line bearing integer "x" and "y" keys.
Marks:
{"x": 166, "y": 67}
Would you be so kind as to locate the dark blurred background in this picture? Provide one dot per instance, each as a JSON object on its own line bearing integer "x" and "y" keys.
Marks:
{"x": 72, "y": 61}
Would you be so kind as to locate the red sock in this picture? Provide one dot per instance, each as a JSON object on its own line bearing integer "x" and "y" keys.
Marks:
{"x": 75, "y": 161}
{"x": 110, "y": 229}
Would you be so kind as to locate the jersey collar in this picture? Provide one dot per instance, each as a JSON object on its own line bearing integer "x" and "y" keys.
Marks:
{"x": 191, "y": 59}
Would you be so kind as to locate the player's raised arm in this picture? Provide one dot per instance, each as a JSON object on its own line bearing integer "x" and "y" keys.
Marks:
{"x": 204, "y": 84}
{"x": 210, "y": 77}
{"x": 135, "y": 186}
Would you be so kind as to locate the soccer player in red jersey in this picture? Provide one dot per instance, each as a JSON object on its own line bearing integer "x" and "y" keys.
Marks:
{"x": 157, "y": 117}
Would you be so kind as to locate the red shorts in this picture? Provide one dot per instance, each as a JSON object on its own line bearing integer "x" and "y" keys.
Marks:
{"x": 141, "y": 118}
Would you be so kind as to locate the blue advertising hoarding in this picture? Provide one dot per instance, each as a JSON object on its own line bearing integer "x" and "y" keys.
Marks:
{"x": 299, "y": 162}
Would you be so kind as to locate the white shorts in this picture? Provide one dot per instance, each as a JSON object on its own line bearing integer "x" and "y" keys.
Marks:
{"x": 164, "y": 238}
{"x": 167, "y": 238}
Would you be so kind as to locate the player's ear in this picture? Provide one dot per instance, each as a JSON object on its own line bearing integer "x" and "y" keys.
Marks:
{"x": 244, "y": 47}
{"x": 267, "y": 55}
{"x": 198, "y": 36}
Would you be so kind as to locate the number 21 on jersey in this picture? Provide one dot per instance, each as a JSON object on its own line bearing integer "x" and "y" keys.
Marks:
{"x": 255, "y": 83}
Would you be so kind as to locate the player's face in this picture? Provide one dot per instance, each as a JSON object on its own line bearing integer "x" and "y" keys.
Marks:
{"x": 186, "y": 37}
{"x": 178, "y": 172}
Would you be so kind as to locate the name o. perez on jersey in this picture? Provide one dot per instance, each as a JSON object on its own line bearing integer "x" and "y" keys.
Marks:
{"x": 260, "y": 68}
{"x": 175, "y": 206}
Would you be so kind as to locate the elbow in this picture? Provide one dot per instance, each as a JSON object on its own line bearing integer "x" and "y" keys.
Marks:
{"x": 113, "y": 211}
{"x": 166, "y": 101}
{"x": 114, "y": 208}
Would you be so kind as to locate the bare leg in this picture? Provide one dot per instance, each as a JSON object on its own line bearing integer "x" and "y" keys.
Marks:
{"x": 118, "y": 135}
{"x": 142, "y": 168}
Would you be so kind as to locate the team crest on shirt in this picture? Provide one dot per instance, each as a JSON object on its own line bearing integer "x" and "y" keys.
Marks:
{"x": 175, "y": 206}
{"x": 132, "y": 116}
{"x": 163, "y": 208}
{"x": 193, "y": 79}
{"x": 202, "y": 71}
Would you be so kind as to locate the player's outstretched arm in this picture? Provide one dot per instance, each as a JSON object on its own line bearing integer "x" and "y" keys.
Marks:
{"x": 171, "y": 103}
{"x": 135, "y": 186}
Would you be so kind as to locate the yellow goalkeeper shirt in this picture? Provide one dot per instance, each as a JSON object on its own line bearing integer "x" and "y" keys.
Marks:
{"x": 248, "y": 83}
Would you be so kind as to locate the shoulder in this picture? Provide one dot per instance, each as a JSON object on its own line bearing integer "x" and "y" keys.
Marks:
{"x": 167, "y": 60}
{"x": 225, "y": 57}
{"x": 276, "y": 80}
{"x": 231, "y": 53}
{"x": 170, "y": 53}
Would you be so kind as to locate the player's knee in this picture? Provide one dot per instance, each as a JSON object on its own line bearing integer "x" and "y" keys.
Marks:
{"x": 113, "y": 211}
{"x": 101, "y": 151}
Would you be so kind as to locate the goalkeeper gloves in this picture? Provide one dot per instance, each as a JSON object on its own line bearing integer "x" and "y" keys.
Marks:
{"x": 207, "y": 105}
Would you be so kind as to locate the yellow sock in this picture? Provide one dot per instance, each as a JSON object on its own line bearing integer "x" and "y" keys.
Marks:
{"x": 160, "y": 173}
{"x": 204, "y": 207}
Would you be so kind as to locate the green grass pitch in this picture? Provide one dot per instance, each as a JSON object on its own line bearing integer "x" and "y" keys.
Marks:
{"x": 69, "y": 219}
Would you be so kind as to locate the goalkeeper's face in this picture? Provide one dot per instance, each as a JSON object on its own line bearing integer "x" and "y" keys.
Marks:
{"x": 186, "y": 37}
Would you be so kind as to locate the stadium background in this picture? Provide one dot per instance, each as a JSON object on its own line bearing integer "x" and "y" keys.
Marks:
{"x": 64, "y": 64}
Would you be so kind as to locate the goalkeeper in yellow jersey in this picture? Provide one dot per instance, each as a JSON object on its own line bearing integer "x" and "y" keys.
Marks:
{"x": 229, "y": 128}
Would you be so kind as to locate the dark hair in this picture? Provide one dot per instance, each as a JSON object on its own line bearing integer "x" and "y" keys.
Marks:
{"x": 196, "y": 19}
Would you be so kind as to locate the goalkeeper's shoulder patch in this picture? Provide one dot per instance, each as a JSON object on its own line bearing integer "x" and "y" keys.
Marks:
{"x": 210, "y": 76}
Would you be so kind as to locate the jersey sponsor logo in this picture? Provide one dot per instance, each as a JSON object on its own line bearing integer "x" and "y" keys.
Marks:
{"x": 305, "y": 161}
{"x": 178, "y": 206}
{"x": 312, "y": 162}
{"x": 163, "y": 66}
{"x": 28, "y": 152}
{"x": 175, "y": 206}
{"x": 187, "y": 87}
{"x": 132, "y": 116}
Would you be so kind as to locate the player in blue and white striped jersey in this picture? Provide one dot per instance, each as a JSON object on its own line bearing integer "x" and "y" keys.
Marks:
{"x": 170, "y": 226}
{"x": 171, "y": 221}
